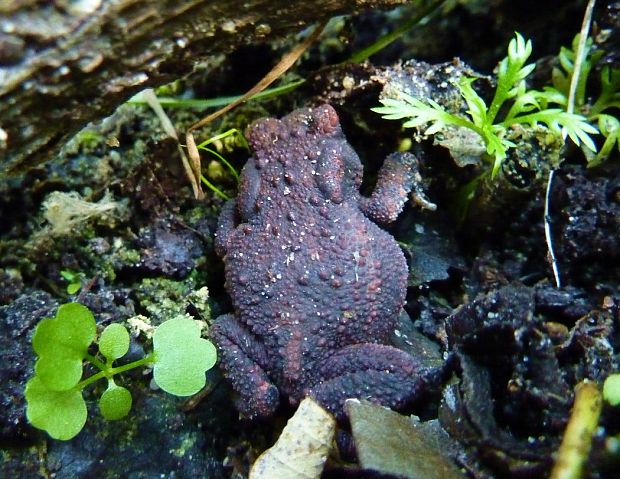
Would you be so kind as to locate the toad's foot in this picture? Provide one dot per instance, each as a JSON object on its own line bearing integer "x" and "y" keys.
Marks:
{"x": 378, "y": 373}
{"x": 241, "y": 356}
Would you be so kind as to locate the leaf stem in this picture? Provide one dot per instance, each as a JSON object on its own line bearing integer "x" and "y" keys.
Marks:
{"x": 96, "y": 362}
{"x": 150, "y": 358}
{"x": 580, "y": 56}
{"x": 384, "y": 41}
{"x": 214, "y": 188}
{"x": 501, "y": 92}
{"x": 549, "y": 234}
{"x": 462, "y": 122}
{"x": 219, "y": 101}
{"x": 108, "y": 372}
{"x": 222, "y": 159}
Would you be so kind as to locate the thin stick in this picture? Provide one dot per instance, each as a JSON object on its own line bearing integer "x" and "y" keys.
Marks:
{"x": 552, "y": 258}
{"x": 579, "y": 55}
{"x": 276, "y": 72}
{"x": 570, "y": 108}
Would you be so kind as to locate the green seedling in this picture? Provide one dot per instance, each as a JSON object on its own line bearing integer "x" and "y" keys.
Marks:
{"x": 512, "y": 104}
{"x": 74, "y": 279}
{"x": 609, "y": 96}
{"x": 609, "y": 127}
{"x": 234, "y": 137}
{"x": 54, "y": 398}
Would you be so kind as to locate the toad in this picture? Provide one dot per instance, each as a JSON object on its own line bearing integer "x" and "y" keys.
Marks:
{"x": 317, "y": 287}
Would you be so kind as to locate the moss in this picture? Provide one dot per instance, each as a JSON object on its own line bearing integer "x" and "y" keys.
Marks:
{"x": 187, "y": 443}
{"x": 125, "y": 255}
{"x": 23, "y": 462}
{"x": 163, "y": 298}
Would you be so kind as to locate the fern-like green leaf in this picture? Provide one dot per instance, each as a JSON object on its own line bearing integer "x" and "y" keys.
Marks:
{"x": 511, "y": 71}
{"x": 575, "y": 126}
{"x": 525, "y": 102}
{"x": 610, "y": 129}
{"x": 561, "y": 80}
{"x": 527, "y": 107}
{"x": 550, "y": 95}
{"x": 395, "y": 109}
{"x": 566, "y": 59}
{"x": 497, "y": 147}
{"x": 419, "y": 114}
{"x": 610, "y": 91}
{"x": 477, "y": 108}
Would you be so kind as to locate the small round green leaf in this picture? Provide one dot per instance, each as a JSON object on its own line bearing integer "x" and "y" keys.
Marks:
{"x": 114, "y": 341}
{"x": 58, "y": 374}
{"x": 69, "y": 334}
{"x": 62, "y": 414}
{"x": 115, "y": 402}
{"x": 181, "y": 357}
{"x": 611, "y": 389}
{"x": 61, "y": 343}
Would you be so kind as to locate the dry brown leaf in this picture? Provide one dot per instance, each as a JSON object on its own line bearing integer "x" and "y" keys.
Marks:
{"x": 194, "y": 164}
{"x": 302, "y": 448}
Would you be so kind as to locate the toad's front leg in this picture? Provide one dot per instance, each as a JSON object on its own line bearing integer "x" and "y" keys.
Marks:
{"x": 243, "y": 359}
{"x": 397, "y": 177}
{"x": 226, "y": 224}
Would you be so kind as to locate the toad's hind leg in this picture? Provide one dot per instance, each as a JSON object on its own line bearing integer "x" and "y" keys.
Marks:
{"x": 241, "y": 357}
{"x": 378, "y": 373}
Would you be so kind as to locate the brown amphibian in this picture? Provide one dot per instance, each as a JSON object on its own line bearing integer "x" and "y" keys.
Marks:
{"x": 317, "y": 286}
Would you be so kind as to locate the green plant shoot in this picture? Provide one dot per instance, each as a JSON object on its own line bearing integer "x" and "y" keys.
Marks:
{"x": 609, "y": 96}
{"x": 238, "y": 140}
{"x": 522, "y": 106}
{"x": 54, "y": 398}
{"x": 74, "y": 279}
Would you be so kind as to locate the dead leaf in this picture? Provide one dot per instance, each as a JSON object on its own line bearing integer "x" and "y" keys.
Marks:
{"x": 302, "y": 448}
{"x": 390, "y": 443}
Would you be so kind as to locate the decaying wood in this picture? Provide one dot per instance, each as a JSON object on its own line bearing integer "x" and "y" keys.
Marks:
{"x": 66, "y": 63}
